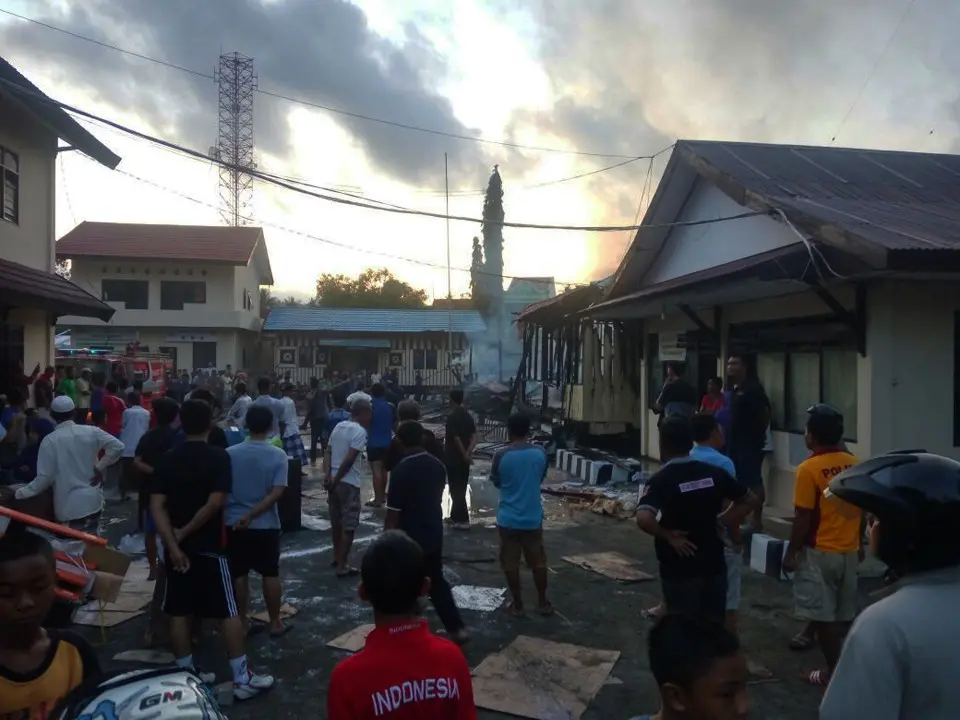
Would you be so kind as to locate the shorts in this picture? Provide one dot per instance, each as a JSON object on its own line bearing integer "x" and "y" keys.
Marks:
{"x": 256, "y": 550}
{"x": 703, "y": 595}
{"x": 734, "y": 560}
{"x": 749, "y": 466}
{"x": 344, "y": 504}
{"x": 528, "y": 543}
{"x": 204, "y": 591}
{"x": 825, "y": 586}
{"x": 376, "y": 454}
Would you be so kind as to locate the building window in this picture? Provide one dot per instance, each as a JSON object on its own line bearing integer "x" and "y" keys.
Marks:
{"x": 425, "y": 359}
{"x": 174, "y": 294}
{"x": 10, "y": 188}
{"x": 247, "y": 300}
{"x": 795, "y": 380}
{"x": 305, "y": 356}
{"x": 134, "y": 294}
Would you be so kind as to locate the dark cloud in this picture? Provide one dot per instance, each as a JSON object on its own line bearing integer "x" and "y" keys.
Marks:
{"x": 319, "y": 50}
{"x": 632, "y": 76}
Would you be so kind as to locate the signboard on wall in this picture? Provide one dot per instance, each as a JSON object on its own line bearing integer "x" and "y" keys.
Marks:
{"x": 287, "y": 356}
{"x": 396, "y": 359}
{"x": 320, "y": 357}
{"x": 672, "y": 347}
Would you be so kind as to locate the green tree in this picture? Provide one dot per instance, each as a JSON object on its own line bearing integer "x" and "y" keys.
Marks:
{"x": 268, "y": 301}
{"x": 62, "y": 269}
{"x": 373, "y": 288}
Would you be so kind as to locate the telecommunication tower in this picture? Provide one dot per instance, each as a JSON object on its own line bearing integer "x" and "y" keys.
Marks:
{"x": 237, "y": 83}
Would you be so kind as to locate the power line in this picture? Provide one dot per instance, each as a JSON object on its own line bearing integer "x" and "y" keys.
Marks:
{"x": 353, "y": 203}
{"x": 326, "y": 241}
{"x": 873, "y": 70}
{"x": 318, "y": 106}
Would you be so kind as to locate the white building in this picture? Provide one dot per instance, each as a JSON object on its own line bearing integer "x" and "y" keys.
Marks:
{"x": 32, "y": 296}
{"x": 841, "y": 286}
{"x": 191, "y": 291}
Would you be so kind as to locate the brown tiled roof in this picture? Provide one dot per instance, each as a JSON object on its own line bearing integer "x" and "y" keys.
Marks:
{"x": 15, "y": 87}
{"x": 212, "y": 243}
{"x": 27, "y": 287}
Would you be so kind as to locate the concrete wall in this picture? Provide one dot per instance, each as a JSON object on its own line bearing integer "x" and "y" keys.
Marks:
{"x": 37, "y": 337}
{"x": 30, "y": 241}
{"x": 223, "y": 308}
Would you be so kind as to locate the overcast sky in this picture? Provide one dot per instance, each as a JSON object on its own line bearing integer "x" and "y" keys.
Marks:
{"x": 623, "y": 77}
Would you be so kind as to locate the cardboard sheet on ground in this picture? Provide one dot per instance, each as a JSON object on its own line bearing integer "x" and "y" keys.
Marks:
{"x": 286, "y": 611}
{"x": 135, "y": 594}
{"x": 311, "y": 522}
{"x": 542, "y": 680}
{"x": 475, "y": 597}
{"x": 151, "y": 656}
{"x": 613, "y": 565}
{"x": 111, "y": 618}
{"x": 352, "y": 641}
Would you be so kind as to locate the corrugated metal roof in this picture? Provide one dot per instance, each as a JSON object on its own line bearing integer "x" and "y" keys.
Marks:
{"x": 23, "y": 286}
{"x": 211, "y": 243}
{"x": 372, "y": 320}
{"x": 898, "y": 200}
{"x": 35, "y": 101}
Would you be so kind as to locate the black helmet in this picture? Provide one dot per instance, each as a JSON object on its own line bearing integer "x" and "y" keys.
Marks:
{"x": 916, "y": 497}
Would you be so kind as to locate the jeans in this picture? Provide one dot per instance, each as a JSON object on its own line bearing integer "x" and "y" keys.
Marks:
{"x": 441, "y": 595}
{"x": 317, "y": 437}
{"x": 458, "y": 478}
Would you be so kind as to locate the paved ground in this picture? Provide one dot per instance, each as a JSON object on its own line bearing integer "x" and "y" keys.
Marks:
{"x": 593, "y": 611}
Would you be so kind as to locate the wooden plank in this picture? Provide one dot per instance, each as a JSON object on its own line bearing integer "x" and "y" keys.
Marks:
{"x": 352, "y": 641}
{"x": 286, "y": 611}
{"x": 613, "y": 565}
{"x": 541, "y": 679}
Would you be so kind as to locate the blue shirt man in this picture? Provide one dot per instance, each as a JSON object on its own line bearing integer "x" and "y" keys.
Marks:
{"x": 258, "y": 468}
{"x": 711, "y": 456}
{"x": 382, "y": 419}
{"x": 518, "y": 471}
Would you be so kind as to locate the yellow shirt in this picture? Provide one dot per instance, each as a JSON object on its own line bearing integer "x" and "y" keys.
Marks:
{"x": 34, "y": 695}
{"x": 836, "y": 524}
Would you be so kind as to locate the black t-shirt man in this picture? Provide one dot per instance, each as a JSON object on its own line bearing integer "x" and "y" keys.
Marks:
{"x": 460, "y": 424}
{"x": 690, "y": 495}
{"x": 396, "y": 451}
{"x": 416, "y": 492}
{"x": 187, "y": 476}
{"x": 749, "y": 411}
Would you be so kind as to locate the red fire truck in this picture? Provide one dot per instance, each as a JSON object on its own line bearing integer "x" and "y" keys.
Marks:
{"x": 149, "y": 368}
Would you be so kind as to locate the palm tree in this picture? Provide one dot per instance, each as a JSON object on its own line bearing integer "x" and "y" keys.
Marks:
{"x": 267, "y": 302}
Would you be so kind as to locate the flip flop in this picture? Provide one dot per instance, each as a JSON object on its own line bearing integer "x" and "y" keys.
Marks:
{"x": 287, "y": 627}
{"x": 373, "y": 504}
{"x": 651, "y": 614}
{"x": 546, "y": 610}
{"x": 758, "y": 670}
{"x": 349, "y": 572}
{"x": 801, "y": 642}
{"x": 817, "y": 678}
{"x": 514, "y": 611}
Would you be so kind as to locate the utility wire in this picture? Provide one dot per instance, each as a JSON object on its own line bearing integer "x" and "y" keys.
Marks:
{"x": 873, "y": 70}
{"x": 318, "y": 106}
{"x": 18, "y": 89}
{"x": 326, "y": 241}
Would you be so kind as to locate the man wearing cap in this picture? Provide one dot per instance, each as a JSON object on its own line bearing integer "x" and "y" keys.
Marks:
{"x": 68, "y": 462}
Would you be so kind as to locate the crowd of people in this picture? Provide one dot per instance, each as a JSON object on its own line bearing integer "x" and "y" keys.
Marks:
{"x": 210, "y": 504}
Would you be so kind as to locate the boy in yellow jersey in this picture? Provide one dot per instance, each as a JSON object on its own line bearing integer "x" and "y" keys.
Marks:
{"x": 826, "y": 543}
{"x": 38, "y": 667}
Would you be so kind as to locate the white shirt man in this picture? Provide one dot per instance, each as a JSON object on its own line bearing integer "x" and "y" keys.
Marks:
{"x": 238, "y": 411}
{"x": 134, "y": 425}
{"x": 67, "y": 461}
{"x": 289, "y": 417}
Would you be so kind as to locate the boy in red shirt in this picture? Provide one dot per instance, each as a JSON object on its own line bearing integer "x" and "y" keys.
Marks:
{"x": 405, "y": 671}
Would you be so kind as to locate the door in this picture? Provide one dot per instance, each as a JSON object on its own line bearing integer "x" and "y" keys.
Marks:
{"x": 204, "y": 355}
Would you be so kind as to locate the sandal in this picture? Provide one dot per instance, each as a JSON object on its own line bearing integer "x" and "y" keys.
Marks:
{"x": 652, "y": 614}
{"x": 349, "y": 571}
{"x": 514, "y": 611}
{"x": 759, "y": 671}
{"x": 546, "y": 610}
{"x": 801, "y": 641}
{"x": 287, "y": 627}
{"x": 817, "y": 678}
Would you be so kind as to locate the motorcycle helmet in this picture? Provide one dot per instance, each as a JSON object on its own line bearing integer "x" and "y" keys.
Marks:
{"x": 915, "y": 495}
{"x": 172, "y": 693}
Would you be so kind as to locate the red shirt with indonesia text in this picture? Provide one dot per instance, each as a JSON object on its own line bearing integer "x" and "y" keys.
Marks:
{"x": 405, "y": 672}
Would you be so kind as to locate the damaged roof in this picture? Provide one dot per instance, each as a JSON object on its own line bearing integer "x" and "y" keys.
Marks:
{"x": 886, "y": 207}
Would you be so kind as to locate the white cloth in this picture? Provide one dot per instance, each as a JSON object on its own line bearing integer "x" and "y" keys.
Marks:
{"x": 289, "y": 417}
{"x": 67, "y": 461}
{"x": 238, "y": 411}
{"x": 347, "y": 435}
{"x": 133, "y": 426}
{"x": 358, "y": 395}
